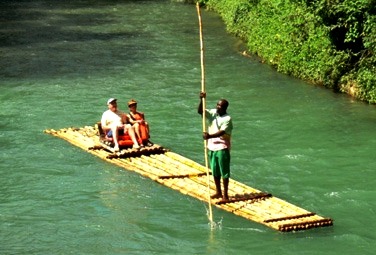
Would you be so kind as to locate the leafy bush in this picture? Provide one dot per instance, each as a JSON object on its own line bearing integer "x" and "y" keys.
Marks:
{"x": 327, "y": 42}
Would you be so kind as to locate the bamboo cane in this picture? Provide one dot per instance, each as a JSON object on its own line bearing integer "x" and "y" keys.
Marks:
{"x": 210, "y": 214}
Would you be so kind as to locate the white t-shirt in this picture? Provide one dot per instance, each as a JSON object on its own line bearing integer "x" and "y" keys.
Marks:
{"x": 217, "y": 123}
{"x": 110, "y": 118}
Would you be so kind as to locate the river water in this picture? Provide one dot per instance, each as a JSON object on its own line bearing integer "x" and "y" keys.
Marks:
{"x": 60, "y": 62}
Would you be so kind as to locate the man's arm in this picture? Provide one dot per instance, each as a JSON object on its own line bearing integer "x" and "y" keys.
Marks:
{"x": 104, "y": 122}
{"x": 207, "y": 136}
{"x": 125, "y": 119}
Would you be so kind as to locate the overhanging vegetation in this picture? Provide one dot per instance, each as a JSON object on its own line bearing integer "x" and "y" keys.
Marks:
{"x": 327, "y": 42}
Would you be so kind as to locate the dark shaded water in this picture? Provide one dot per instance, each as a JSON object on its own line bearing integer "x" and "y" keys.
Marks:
{"x": 60, "y": 62}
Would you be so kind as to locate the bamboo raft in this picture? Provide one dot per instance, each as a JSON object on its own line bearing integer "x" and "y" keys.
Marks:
{"x": 190, "y": 178}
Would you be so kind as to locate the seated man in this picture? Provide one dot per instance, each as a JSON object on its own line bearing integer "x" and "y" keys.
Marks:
{"x": 141, "y": 127}
{"x": 114, "y": 122}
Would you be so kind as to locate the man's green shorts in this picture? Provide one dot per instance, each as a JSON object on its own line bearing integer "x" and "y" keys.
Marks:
{"x": 220, "y": 163}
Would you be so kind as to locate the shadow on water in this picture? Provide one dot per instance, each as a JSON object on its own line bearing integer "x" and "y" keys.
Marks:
{"x": 44, "y": 39}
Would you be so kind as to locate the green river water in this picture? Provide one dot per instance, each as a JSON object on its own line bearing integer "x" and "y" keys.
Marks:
{"x": 60, "y": 62}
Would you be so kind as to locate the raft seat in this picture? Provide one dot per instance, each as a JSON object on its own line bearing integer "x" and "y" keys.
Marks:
{"x": 125, "y": 141}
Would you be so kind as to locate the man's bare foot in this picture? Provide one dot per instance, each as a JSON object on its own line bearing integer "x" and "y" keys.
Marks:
{"x": 216, "y": 195}
{"x": 225, "y": 199}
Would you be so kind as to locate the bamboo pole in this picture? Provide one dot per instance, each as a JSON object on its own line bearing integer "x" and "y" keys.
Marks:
{"x": 210, "y": 214}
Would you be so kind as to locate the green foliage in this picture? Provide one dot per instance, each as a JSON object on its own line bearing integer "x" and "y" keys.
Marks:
{"x": 366, "y": 78}
{"x": 327, "y": 42}
{"x": 233, "y": 14}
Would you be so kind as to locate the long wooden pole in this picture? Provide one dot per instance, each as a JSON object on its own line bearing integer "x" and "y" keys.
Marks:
{"x": 203, "y": 112}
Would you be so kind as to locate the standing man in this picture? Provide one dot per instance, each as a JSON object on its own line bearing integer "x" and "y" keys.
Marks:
{"x": 114, "y": 122}
{"x": 219, "y": 143}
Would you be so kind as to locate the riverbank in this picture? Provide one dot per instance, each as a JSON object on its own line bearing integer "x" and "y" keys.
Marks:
{"x": 322, "y": 43}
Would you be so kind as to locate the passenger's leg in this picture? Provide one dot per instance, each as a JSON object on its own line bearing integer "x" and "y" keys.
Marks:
{"x": 136, "y": 127}
{"x": 132, "y": 134}
{"x": 114, "y": 130}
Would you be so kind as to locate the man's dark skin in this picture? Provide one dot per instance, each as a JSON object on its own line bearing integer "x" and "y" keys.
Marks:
{"x": 221, "y": 110}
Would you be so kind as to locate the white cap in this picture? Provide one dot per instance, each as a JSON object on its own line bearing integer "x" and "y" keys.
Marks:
{"x": 109, "y": 101}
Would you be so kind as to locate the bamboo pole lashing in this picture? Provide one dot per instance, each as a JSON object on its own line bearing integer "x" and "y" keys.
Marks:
{"x": 170, "y": 170}
{"x": 186, "y": 161}
{"x": 181, "y": 167}
{"x": 199, "y": 179}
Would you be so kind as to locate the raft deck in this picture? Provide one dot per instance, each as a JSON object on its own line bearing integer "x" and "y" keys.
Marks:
{"x": 190, "y": 178}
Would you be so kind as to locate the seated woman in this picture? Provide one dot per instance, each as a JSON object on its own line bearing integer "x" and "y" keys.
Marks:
{"x": 141, "y": 127}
